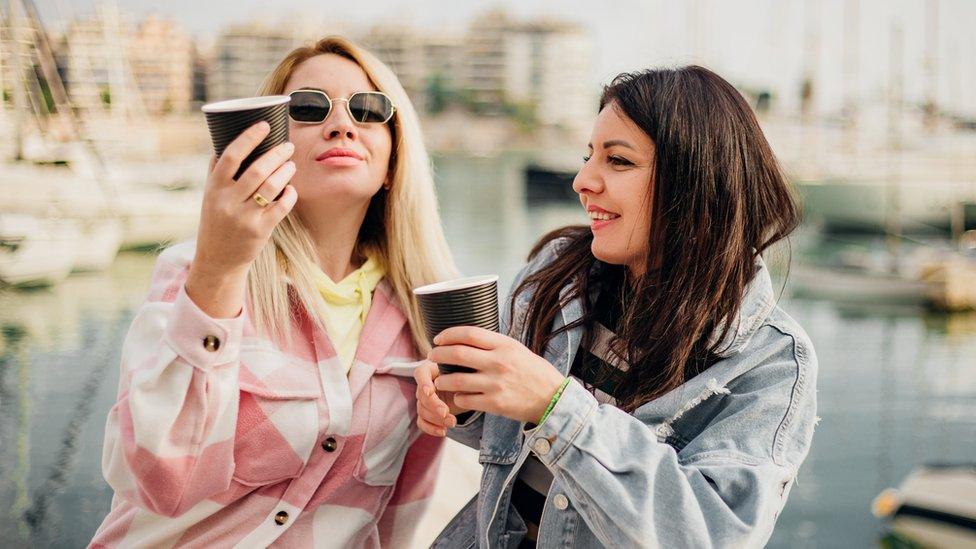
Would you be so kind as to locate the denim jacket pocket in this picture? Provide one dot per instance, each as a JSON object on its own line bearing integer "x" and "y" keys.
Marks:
{"x": 462, "y": 531}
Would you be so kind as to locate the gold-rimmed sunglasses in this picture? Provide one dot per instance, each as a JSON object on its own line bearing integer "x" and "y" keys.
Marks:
{"x": 314, "y": 106}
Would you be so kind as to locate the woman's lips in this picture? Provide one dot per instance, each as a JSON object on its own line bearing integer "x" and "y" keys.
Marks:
{"x": 339, "y": 157}
{"x": 597, "y": 224}
{"x": 600, "y": 218}
{"x": 339, "y": 161}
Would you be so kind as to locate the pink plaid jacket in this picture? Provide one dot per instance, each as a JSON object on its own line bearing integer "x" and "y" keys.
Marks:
{"x": 222, "y": 438}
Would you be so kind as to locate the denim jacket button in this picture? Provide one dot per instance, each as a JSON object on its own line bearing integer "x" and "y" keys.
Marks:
{"x": 561, "y": 502}
{"x": 541, "y": 446}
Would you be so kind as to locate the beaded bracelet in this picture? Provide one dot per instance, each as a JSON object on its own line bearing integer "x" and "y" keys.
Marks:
{"x": 555, "y": 399}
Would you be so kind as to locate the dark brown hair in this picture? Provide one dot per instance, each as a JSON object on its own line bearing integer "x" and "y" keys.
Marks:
{"x": 719, "y": 199}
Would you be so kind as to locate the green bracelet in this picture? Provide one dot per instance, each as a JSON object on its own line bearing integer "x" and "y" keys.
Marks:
{"x": 555, "y": 399}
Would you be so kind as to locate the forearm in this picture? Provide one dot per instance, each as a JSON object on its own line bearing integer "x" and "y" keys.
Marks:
{"x": 218, "y": 293}
{"x": 177, "y": 408}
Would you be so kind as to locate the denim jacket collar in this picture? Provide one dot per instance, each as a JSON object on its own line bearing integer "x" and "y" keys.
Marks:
{"x": 757, "y": 303}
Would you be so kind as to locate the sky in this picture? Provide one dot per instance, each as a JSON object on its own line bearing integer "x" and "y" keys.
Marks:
{"x": 754, "y": 43}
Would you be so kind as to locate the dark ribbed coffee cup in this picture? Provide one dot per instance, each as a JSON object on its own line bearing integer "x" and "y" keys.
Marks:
{"x": 471, "y": 301}
{"x": 228, "y": 119}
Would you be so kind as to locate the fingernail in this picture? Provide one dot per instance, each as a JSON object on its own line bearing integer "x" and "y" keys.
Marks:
{"x": 437, "y": 339}
{"x": 288, "y": 147}
{"x": 264, "y": 125}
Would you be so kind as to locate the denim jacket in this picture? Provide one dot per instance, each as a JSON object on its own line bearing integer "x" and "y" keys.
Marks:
{"x": 709, "y": 464}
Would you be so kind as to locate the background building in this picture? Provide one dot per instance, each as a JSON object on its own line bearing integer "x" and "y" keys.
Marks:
{"x": 161, "y": 56}
{"x": 243, "y": 57}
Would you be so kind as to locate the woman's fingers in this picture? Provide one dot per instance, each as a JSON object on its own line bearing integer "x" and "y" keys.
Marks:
{"x": 436, "y": 423}
{"x": 430, "y": 428}
{"x": 437, "y": 417}
{"x": 473, "y": 401}
{"x": 433, "y": 414}
{"x": 464, "y": 383}
{"x": 239, "y": 148}
{"x": 471, "y": 336}
{"x": 461, "y": 355}
{"x": 425, "y": 373}
{"x": 261, "y": 169}
{"x": 278, "y": 209}
{"x": 275, "y": 182}
{"x": 434, "y": 405}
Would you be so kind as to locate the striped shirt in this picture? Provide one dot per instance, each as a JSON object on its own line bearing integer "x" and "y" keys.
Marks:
{"x": 220, "y": 437}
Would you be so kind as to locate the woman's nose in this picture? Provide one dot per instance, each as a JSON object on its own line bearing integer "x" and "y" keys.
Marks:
{"x": 587, "y": 181}
{"x": 339, "y": 123}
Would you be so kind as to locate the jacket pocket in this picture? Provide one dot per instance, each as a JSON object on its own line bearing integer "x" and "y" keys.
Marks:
{"x": 462, "y": 531}
{"x": 390, "y": 429}
{"x": 278, "y": 417}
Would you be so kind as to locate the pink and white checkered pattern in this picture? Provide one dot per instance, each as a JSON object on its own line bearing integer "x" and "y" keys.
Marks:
{"x": 253, "y": 444}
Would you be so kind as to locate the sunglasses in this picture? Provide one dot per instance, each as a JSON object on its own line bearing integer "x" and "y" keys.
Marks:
{"x": 314, "y": 106}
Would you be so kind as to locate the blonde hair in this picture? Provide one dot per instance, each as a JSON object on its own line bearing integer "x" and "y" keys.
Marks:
{"x": 402, "y": 228}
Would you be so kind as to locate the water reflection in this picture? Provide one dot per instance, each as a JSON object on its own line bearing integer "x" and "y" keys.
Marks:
{"x": 889, "y": 378}
{"x": 488, "y": 223}
{"x": 58, "y": 375}
{"x": 897, "y": 385}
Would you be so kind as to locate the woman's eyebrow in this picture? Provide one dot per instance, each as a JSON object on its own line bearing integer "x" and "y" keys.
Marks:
{"x": 613, "y": 142}
{"x": 313, "y": 89}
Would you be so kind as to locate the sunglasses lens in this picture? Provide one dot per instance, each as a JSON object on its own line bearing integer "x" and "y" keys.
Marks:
{"x": 367, "y": 107}
{"x": 308, "y": 106}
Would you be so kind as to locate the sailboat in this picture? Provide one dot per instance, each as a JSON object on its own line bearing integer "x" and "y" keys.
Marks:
{"x": 57, "y": 172}
{"x": 36, "y": 251}
{"x": 928, "y": 275}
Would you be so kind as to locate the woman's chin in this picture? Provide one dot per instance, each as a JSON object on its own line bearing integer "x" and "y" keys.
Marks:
{"x": 340, "y": 189}
{"x": 606, "y": 255}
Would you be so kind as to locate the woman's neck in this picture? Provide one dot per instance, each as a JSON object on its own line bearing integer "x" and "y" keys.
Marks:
{"x": 335, "y": 235}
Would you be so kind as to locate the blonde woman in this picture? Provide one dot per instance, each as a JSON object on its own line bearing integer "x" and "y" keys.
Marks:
{"x": 265, "y": 396}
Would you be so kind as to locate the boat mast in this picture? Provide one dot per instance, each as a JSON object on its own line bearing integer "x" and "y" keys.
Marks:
{"x": 893, "y": 224}
{"x": 851, "y": 65}
{"x": 20, "y": 104}
{"x": 931, "y": 65}
{"x": 809, "y": 84}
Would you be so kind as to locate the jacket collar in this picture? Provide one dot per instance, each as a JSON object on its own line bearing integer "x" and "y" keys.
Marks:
{"x": 757, "y": 303}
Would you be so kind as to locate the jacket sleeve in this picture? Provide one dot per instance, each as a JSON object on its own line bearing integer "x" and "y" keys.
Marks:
{"x": 725, "y": 487}
{"x": 169, "y": 438}
{"x": 468, "y": 432}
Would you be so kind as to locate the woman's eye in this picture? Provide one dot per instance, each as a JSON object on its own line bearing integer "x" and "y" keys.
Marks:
{"x": 586, "y": 159}
{"x": 618, "y": 161}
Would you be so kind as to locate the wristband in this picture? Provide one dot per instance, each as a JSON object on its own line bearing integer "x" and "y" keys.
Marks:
{"x": 554, "y": 400}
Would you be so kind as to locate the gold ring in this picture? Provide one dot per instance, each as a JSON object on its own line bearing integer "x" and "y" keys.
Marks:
{"x": 262, "y": 201}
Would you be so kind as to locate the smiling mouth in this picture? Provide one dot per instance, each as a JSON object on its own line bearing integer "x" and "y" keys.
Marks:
{"x": 602, "y": 216}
